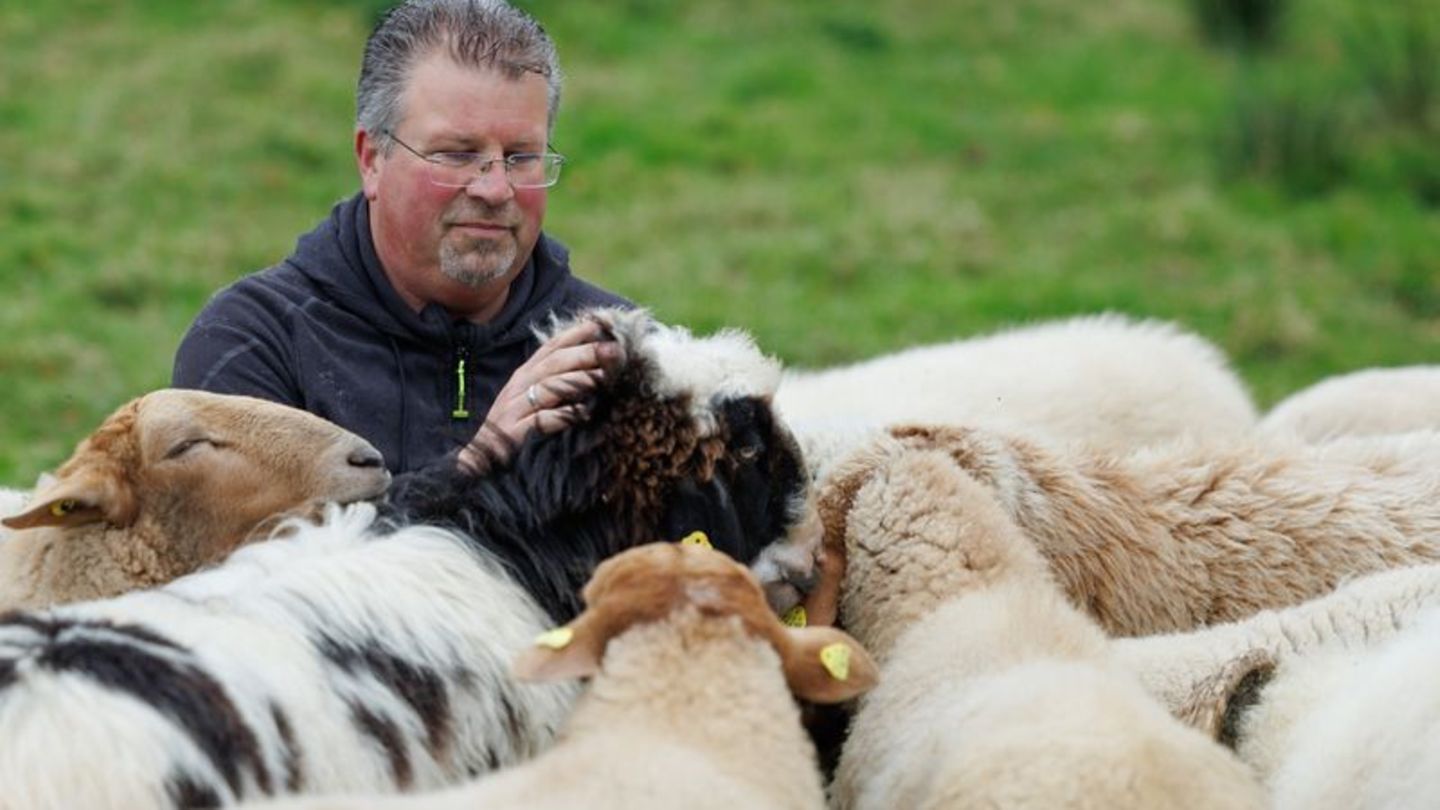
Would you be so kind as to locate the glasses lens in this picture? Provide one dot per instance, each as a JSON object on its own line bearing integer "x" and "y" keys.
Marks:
{"x": 460, "y": 169}
{"x": 453, "y": 169}
{"x": 535, "y": 171}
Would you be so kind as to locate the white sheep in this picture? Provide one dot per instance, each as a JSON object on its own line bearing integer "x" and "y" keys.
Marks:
{"x": 1331, "y": 702}
{"x": 690, "y": 702}
{"x": 12, "y": 500}
{"x": 994, "y": 690}
{"x": 1190, "y": 534}
{"x": 1368, "y": 402}
{"x": 172, "y": 481}
{"x": 349, "y": 658}
{"x": 1107, "y": 380}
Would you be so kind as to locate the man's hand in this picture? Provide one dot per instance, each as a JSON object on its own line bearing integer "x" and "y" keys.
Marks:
{"x": 543, "y": 394}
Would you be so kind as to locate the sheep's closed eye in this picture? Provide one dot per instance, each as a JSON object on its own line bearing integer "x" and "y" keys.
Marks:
{"x": 184, "y": 446}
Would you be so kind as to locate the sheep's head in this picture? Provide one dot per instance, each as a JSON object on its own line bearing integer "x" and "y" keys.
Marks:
{"x": 680, "y": 437}
{"x": 189, "y": 475}
{"x": 652, "y": 582}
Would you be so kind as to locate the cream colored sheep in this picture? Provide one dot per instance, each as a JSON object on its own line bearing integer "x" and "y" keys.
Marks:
{"x": 1368, "y": 402}
{"x": 689, "y": 705}
{"x": 1193, "y": 534}
{"x": 1107, "y": 380}
{"x": 1332, "y": 702}
{"x": 995, "y": 692}
{"x": 172, "y": 481}
{"x": 12, "y": 501}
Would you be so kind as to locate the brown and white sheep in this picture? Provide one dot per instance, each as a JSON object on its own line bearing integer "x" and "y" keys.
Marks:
{"x": 1191, "y": 534}
{"x": 690, "y": 699}
{"x": 170, "y": 482}
{"x": 994, "y": 690}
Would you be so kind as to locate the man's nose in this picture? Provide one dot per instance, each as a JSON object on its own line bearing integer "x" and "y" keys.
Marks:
{"x": 491, "y": 183}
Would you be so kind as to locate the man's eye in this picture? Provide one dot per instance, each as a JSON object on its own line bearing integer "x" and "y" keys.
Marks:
{"x": 454, "y": 160}
{"x": 523, "y": 159}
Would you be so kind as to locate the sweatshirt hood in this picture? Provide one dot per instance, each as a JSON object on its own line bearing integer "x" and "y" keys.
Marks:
{"x": 344, "y": 241}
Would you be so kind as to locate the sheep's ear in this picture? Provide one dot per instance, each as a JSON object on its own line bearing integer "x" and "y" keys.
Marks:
{"x": 825, "y": 665}
{"x": 76, "y": 500}
{"x": 565, "y": 653}
{"x": 822, "y": 604}
{"x": 1218, "y": 700}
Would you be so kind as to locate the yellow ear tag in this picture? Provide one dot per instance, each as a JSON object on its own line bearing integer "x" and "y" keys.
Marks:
{"x": 836, "y": 660}
{"x": 555, "y": 639}
{"x": 62, "y": 508}
{"x": 696, "y": 538}
{"x": 795, "y": 617}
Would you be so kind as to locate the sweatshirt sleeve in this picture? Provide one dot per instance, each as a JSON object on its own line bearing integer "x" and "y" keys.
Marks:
{"x": 237, "y": 346}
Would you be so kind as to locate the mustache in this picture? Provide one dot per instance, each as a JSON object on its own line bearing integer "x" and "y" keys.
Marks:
{"x": 506, "y": 215}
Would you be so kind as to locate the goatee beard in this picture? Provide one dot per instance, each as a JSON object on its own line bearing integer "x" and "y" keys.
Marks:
{"x": 480, "y": 264}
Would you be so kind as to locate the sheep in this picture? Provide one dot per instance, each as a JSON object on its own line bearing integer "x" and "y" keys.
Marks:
{"x": 12, "y": 500}
{"x": 994, "y": 691}
{"x": 690, "y": 702}
{"x": 1323, "y": 700}
{"x": 171, "y": 481}
{"x": 1192, "y": 534}
{"x": 366, "y": 653}
{"x": 1368, "y": 402}
{"x": 1106, "y": 380}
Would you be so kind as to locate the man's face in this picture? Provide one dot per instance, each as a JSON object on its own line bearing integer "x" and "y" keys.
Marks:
{"x": 459, "y": 247}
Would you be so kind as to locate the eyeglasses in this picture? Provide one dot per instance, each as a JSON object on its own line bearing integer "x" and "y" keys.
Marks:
{"x": 459, "y": 169}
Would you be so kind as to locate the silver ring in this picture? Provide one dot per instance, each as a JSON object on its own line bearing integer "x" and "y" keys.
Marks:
{"x": 532, "y": 398}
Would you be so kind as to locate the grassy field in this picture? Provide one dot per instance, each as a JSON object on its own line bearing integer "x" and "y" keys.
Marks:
{"x": 841, "y": 178}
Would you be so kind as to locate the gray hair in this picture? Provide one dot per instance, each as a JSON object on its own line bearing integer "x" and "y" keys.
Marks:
{"x": 475, "y": 33}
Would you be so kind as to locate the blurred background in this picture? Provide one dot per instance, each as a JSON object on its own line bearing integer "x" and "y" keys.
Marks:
{"x": 839, "y": 177}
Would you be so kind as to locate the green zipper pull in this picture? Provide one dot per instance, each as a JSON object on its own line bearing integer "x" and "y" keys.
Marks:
{"x": 460, "y": 411}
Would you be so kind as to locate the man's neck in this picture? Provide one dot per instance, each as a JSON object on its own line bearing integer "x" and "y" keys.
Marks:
{"x": 477, "y": 305}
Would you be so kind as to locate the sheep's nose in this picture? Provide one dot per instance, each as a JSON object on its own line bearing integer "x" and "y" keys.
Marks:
{"x": 365, "y": 457}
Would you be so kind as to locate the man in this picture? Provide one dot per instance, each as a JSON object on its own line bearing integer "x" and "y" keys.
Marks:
{"x": 407, "y": 316}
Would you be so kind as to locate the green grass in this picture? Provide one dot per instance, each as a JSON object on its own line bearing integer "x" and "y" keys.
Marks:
{"x": 840, "y": 178}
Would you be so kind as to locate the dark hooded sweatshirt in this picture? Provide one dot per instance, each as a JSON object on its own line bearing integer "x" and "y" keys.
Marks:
{"x": 325, "y": 331}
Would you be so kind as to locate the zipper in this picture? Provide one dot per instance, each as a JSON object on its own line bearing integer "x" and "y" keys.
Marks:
{"x": 462, "y": 353}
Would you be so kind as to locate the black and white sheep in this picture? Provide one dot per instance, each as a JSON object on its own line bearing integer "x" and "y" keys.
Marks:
{"x": 346, "y": 656}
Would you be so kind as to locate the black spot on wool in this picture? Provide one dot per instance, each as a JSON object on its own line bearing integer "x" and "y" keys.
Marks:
{"x": 124, "y": 658}
{"x": 635, "y": 472}
{"x": 294, "y": 775}
{"x": 188, "y": 793}
{"x": 419, "y": 686}
{"x": 385, "y": 732}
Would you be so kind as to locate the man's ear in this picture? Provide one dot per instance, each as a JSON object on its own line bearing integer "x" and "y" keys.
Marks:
{"x": 1218, "y": 701}
{"x": 367, "y": 159}
{"x": 89, "y": 496}
{"x": 825, "y": 665}
{"x": 565, "y": 653}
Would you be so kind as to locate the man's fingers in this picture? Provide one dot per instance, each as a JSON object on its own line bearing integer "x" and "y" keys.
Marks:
{"x": 576, "y": 335}
{"x": 556, "y": 419}
{"x": 603, "y": 355}
{"x": 561, "y": 389}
